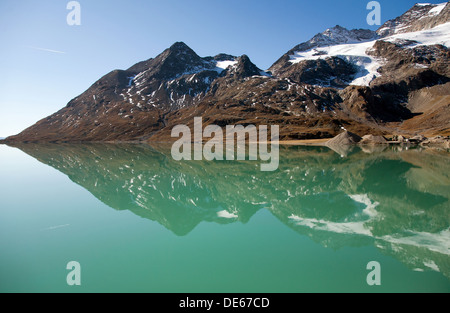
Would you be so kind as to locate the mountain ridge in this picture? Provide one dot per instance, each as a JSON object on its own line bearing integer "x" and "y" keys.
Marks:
{"x": 356, "y": 79}
{"x": 420, "y": 16}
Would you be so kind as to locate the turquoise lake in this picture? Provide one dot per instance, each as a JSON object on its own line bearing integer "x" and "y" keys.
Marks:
{"x": 138, "y": 221}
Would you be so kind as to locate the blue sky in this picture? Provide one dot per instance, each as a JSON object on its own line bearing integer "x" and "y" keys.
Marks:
{"x": 45, "y": 62}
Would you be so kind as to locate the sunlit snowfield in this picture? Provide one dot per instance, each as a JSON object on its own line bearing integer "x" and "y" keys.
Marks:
{"x": 138, "y": 221}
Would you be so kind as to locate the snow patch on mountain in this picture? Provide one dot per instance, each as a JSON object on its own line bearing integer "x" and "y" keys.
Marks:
{"x": 337, "y": 35}
{"x": 437, "y": 35}
{"x": 437, "y": 9}
{"x": 223, "y": 65}
{"x": 410, "y": 20}
{"x": 356, "y": 53}
{"x": 226, "y": 214}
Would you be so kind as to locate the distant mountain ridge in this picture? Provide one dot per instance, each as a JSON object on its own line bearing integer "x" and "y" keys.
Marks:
{"x": 420, "y": 17}
{"x": 353, "y": 46}
{"x": 332, "y": 36}
{"x": 360, "y": 80}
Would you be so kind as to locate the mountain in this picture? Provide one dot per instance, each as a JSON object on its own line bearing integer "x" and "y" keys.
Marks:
{"x": 421, "y": 16}
{"x": 392, "y": 81}
{"x": 348, "y": 52}
{"x": 384, "y": 74}
{"x": 131, "y": 104}
{"x": 331, "y": 37}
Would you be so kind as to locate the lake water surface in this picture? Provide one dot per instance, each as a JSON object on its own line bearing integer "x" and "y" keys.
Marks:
{"x": 138, "y": 221}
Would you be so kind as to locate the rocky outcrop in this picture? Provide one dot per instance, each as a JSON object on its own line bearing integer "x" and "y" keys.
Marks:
{"x": 330, "y": 72}
{"x": 438, "y": 141}
{"x": 346, "y": 138}
{"x": 373, "y": 140}
{"x": 408, "y": 69}
{"x": 363, "y": 103}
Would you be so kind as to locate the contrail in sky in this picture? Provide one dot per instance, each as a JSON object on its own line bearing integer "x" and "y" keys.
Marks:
{"x": 47, "y": 50}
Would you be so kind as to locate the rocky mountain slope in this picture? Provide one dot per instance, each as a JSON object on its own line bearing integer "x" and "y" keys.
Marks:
{"x": 421, "y": 16}
{"x": 393, "y": 81}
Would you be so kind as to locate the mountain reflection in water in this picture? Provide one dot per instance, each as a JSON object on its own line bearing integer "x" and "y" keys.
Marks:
{"x": 395, "y": 200}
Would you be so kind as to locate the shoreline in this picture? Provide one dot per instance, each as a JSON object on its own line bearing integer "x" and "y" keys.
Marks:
{"x": 301, "y": 142}
{"x": 306, "y": 142}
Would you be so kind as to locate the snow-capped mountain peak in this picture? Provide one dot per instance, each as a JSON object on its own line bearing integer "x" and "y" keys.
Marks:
{"x": 337, "y": 35}
{"x": 340, "y": 35}
{"x": 420, "y": 17}
{"x": 424, "y": 24}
